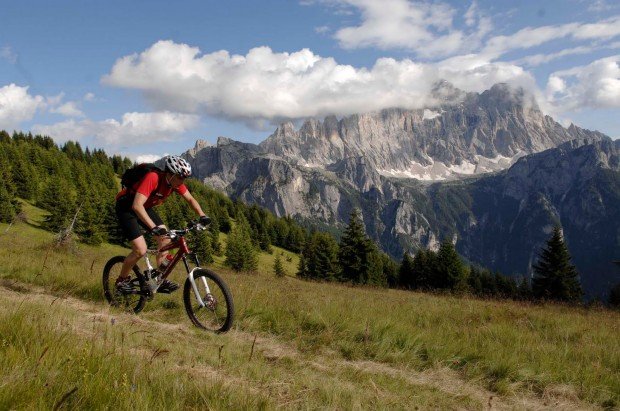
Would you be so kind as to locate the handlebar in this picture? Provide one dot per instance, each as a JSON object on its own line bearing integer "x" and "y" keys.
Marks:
{"x": 192, "y": 226}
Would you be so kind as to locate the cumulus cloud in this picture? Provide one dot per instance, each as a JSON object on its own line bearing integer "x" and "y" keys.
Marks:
{"x": 596, "y": 85}
{"x": 147, "y": 158}
{"x": 424, "y": 27}
{"x": 133, "y": 129}
{"x": 17, "y": 105}
{"x": 264, "y": 85}
{"x": 68, "y": 109}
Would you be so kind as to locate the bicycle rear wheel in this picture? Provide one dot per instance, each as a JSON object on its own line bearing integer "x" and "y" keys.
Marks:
{"x": 129, "y": 302}
{"x": 218, "y": 311}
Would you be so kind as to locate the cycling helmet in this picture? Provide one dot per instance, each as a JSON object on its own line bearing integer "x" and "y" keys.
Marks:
{"x": 177, "y": 165}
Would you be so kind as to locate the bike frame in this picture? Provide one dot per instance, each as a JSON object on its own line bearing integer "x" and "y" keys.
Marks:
{"x": 184, "y": 251}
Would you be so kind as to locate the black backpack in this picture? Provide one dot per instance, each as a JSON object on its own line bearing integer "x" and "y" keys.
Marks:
{"x": 132, "y": 175}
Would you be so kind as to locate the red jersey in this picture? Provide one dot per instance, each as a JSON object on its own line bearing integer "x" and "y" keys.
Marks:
{"x": 155, "y": 187}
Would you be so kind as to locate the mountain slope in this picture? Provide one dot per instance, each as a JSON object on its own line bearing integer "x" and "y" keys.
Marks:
{"x": 294, "y": 344}
{"x": 477, "y": 133}
{"x": 499, "y": 220}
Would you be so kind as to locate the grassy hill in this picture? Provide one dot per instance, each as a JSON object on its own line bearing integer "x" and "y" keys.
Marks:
{"x": 295, "y": 344}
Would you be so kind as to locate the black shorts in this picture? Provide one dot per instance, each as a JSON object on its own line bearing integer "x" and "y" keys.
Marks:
{"x": 128, "y": 219}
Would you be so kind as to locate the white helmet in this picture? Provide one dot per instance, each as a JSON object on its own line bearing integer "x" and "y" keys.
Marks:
{"x": 177, "y": 165}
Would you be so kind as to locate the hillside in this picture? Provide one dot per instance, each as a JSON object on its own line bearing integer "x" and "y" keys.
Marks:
{"x": 295, "y": 344}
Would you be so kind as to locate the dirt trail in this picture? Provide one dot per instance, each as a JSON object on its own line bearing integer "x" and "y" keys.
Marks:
{"x": 271, "y": 348}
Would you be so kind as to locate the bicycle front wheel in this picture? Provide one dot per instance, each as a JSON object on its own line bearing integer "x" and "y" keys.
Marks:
{"x": 217, "y": 311}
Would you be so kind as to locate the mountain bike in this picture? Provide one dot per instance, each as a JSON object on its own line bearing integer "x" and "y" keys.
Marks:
{"x": 207, "y": 299}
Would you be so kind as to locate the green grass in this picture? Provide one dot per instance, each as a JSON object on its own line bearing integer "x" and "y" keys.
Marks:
{"x": 317, "y": 345}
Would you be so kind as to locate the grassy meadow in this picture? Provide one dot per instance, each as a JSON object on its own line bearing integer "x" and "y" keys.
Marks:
{"x": 294, "y": 344}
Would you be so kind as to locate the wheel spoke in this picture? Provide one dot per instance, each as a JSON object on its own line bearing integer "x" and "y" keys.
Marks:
{"x": 217, "y": 313}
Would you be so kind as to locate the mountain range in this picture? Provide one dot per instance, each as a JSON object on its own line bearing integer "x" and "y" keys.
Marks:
{"x": 488, "y": 171}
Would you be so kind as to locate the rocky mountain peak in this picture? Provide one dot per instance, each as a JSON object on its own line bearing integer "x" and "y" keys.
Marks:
{"x": 224, "y": 141}
{"x": 486, "y": 132}
{"x": 445, "y": 92}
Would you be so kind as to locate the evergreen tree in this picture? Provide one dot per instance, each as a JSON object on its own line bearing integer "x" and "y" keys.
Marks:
{"x": 61, "y": 207}
{"x": 214, "y": 232}
{"x": 278, "y": 268}
{"x": 406, "y": 277}
{"x": 5, "y": 138}
{"x": 355, "y": 252}
{"x": 240, "y": 252}
{"x": 474, "y": 281}
{"x": 301, "y": 267}
{"x": 424, "y": 270}
{"x": 450, "y": 272}
{"x": 201, "y": 245}
{"x": 555, "y": 278}
{"x": 390, "y": 270}
{"x": 524, "y": 290}
{"x": 321, "y": 257}
{"x": 614, "y": 296}
{"x": 7, "y": 208}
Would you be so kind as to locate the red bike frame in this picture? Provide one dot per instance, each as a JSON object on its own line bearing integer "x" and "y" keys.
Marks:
{"x": 184, "y": 250}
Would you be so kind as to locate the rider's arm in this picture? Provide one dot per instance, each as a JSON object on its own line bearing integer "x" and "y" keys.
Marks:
{"x": 138, "y": 207}
{"x": 193, "y": 203}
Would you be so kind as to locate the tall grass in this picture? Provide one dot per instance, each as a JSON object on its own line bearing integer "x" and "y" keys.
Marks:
{"x": 317, "y": 345}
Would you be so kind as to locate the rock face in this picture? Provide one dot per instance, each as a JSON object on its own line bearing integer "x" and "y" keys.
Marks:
{"x": 481, "y": 133}
{"x": 500, "y": 220}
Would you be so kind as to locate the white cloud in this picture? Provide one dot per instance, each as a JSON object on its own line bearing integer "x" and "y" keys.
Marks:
{"x": 133, "y": 129}
{"x": 8, "y": 54}
{"x": 596, "y": 85}
{"x": 430, "y": 29}
{"x": 264, "y": 85}
{"x": 17, "y": 105}
{"x": 89, "y": 97}
{"x": 68, "y": 109}
{"x": 538, "y": 59}
{"x": 426, "y": 28}
{"x": 147, "y": 158}
{"x": 599, "y": 5}
{"x": 321, "y": 29}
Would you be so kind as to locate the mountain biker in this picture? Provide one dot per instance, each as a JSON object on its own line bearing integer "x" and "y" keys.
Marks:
{"x": 134, "y": 209}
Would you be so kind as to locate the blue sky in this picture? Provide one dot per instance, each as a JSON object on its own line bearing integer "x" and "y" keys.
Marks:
{"x": 150, "y": 77}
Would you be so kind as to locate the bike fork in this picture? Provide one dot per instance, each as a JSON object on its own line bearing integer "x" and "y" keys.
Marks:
{"x": 195, "y": 287}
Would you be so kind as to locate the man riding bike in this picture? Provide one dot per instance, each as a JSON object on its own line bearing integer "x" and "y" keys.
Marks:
{"x": 134, "y": 209}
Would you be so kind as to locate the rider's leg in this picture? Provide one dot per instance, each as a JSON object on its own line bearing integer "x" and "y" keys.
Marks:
{"x": 138, "y": 250}
{"x": 161, "y": 242}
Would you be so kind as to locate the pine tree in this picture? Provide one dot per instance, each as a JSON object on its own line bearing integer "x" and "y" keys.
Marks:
{"x": 214, "y": 232}
{"x": 614, "y": 296}
{"x": 473, "y": 280}
{"x": 405, "y": 272}
{"x": 7, "y": 210}
{"x": 524, "y": 289}
{"x": 240, "y": 252}
{"x": 301, "y": 267}
{"x": 61, "y": 207}
{"x": 278, "y": 268}
{"x": 320, "y": 255}
{"x": 451, "y": 272}
{"x": 555, "y": 278}
{"x": 201, "y": 245}
{"x": 354, "y": 256}
{"x": 390, "y": 270}
{"x": 425, "y": 269}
